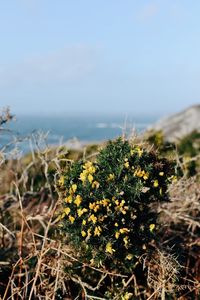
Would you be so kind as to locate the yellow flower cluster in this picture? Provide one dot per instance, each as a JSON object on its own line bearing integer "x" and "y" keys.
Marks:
{"x": 109, "y": 248}
{"x": 97, "y": 231}
{"x": 137, "y": 150}
{"x": 80, "y": 211}
{"x": 120, "y": 206}
{"x": 141, "y": 173}
{"x": 126, "y": 164}
{"x": 95, "y": 206}
{"x": 69, "y": 199}
{"x": 78, "y": 200}
{"x": 71, "y": 219}
{"x": 121, "y": 231}
{"x": 92, "y": 218}
{"x": 88, "y": 172}
{"x": 67, "y": 211}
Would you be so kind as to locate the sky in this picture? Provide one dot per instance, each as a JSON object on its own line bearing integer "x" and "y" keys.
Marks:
{"x": 99, "y": 56}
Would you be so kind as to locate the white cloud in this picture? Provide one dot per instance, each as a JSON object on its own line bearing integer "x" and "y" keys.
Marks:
{"x": 67, "y": 66}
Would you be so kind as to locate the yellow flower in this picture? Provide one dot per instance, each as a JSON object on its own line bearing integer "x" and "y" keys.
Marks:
{"x": 109, "y": 248}
{"x": 127, "y": 296}
{"x": 137, "y": 150}
{"x": 92, "y": 218}
{"x": 129, "y": 256}
{"x": 139, "y": 173}
{"x": 90, "y": 178}
{"x": 89, "y": 167}
{"x": 111, "y": 177}
{"x": 117, "y": 234}
{"x": 126, "y": 165}
{"x": 152, "y": 227}
{"x": 155, "y": 184}
{"x": 68, "y": 199}
{"x": 95, "y": 184}
{"x": 67, "y": 210}
{"x": 96, "y": 208}
{"x": 122, "y": 202}
{"x": 83, "y": 176}
{"x": 78, "y": 200}
{"x": 71, "y": 219}
{"x": 97, "y": 231}
{"x": 80, "y": 212}
{"x": 117, "y": 202}
{"x": 161, "y": 173}
{"x": 132, "y": 152}
{"x": 60, "y": 217}
{"x": 124, "y": 230}
{"x": 92, "y": 170}
{"x": 146, "y": 176}
{"x": 125, "y": 239}
{"x": 92, "y": 205}
{"x": 74, "y": 187}
{"x": 140, "y": 152}
{"x": 61, "y": 180}
{"x": 105, "y": 202}
{"x": 83, "y": 233}
{"x": 84, "y": 222}
{"x": 116, "y": 224}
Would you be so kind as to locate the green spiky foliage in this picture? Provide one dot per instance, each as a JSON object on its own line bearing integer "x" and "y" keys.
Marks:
{"x": 189, "y": 149}
{"x": 106, "y": 204}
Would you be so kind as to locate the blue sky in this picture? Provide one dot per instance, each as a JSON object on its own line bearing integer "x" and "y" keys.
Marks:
{"x": 99, "y": 56}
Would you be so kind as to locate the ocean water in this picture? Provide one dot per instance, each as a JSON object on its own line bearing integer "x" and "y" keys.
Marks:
{"x": 66, "y": 128}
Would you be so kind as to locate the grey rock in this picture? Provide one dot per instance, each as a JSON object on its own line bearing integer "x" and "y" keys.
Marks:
{"x": 179, "y": 125}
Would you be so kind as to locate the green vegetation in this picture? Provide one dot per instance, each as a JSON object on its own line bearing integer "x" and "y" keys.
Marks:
{"x": 111, "y": 223}
{"x": 106, "y": 203}
{"x": 186, "y": 150}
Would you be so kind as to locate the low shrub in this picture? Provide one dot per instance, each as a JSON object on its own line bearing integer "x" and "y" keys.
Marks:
{"x": 107, "y": 212}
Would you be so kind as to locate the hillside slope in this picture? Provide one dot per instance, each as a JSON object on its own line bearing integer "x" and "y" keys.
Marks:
{"x": 178, "y": 125}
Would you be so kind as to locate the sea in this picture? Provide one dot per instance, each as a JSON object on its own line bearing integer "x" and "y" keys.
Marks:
{"x": 73, "y": 130}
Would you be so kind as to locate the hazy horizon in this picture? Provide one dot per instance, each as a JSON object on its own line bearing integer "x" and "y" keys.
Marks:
{"x": 130, "y": 114}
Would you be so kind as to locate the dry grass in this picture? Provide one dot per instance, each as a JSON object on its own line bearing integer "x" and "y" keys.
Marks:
{"x": 33, "y": 254}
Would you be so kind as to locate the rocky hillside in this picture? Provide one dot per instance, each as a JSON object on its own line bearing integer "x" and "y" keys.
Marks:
{"x": 178, "y": 125}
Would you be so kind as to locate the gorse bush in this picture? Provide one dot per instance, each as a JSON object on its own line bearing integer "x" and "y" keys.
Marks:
{"x": 189, "y": 149}
{"x": 156, "y": 138}
{"x": 107, "y": 203}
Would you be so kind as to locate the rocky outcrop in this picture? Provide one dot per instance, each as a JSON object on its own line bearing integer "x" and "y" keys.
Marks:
{"x": 179, "y": 125}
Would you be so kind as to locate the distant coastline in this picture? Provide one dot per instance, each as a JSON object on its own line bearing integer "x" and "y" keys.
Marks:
{"x": 76, "y": 130}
